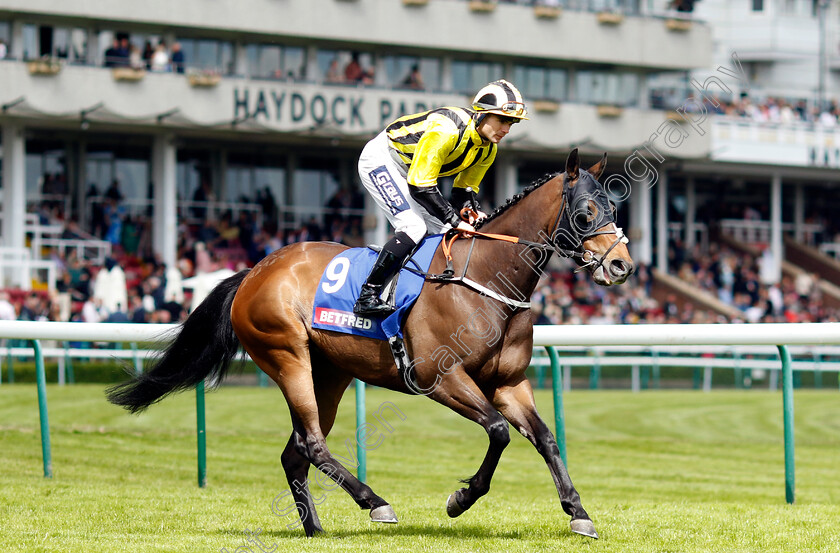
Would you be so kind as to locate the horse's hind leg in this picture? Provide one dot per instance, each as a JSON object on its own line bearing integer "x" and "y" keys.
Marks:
{"x": 289, "y": 366}
{"x": 328, "y": 396}
{"x": 296, "y": 467}
{"x": 516, "y": 403}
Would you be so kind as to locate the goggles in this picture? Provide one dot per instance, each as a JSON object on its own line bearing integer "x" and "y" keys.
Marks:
{"x": 512, "y": 109}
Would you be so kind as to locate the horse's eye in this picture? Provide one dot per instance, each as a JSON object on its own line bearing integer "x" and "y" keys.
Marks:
{"x": 583, "y": 217}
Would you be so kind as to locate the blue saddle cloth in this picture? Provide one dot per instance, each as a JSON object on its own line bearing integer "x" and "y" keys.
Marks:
{"x": 343, "y": 279}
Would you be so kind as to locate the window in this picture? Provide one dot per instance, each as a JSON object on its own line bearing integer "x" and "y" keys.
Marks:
{"x": 602, "y": 87}
{"x": 469, "y": 77}
{"x": 272, "y": 61}
{"x": 130, "y": 165}
{"x": 207, "y": 55}
{"x": 57, "y": 42}
{"x": 316, "y": 180}
{"x": 5, "y": 42}
{"x": 31, "y": 45}
{"x": 247, "y": 176}
{"x": 540, "y": 83}
{"x": 46, "y": 174}
{"x": 294, "y": 62}
{"x": 332, "y": 63}
{"x": 398, "y": 70}
{"x": 758, "y": 5}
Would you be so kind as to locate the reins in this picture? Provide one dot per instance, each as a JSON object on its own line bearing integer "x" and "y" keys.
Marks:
{"x": 446, "y": 246}
{"x": 588, "y": 259}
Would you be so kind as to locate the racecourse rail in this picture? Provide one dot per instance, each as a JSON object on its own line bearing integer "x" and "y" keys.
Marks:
{"x": 780, "y": 335}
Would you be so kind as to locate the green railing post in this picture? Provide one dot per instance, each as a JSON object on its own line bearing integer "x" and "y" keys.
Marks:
{"x": 361, "y": 452}
{"x": 559, "y": 417}
{"x": 656, "y": 372}
{"x": 68, "y": 363}
{"x": 817, "y": 371}
{"x": 262, "y": 378}
{"x": 202, "y": 434}
{"x": 11, "y": 363}
{"x": 138, "y": 367}
{"x": 595, "y": 376}
{"x": 46, "y": 451}
{"x": 787, "y": 400}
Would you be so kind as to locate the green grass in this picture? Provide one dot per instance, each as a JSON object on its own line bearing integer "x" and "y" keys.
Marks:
{"x": 658, "y": 472}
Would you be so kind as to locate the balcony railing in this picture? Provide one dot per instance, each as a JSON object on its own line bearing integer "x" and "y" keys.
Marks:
{"x": 800, "y": 144}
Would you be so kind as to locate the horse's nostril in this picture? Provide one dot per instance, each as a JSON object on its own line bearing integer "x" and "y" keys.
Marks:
{"x": 620, "y": 268}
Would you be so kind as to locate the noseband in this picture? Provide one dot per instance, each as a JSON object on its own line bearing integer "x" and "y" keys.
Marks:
{"x": 586, "y": 259}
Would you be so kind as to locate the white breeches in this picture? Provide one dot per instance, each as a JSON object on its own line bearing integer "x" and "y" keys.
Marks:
{"x": 386, "y": 182}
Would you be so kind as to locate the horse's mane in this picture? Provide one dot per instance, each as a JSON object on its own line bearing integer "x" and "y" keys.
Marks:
{"x": 515, "y": 199}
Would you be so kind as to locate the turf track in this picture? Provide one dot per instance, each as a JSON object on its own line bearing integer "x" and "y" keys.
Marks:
{"x": 657, "y": 471}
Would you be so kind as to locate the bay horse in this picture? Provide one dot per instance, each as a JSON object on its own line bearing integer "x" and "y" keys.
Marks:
{"x": 482, "y": 344}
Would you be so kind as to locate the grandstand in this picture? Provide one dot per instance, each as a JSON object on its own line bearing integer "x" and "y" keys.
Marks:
{"x": 189, "y": 138}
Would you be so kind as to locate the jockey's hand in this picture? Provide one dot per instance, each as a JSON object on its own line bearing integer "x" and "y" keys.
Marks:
{"x": 465, "y": 226}
{"x": 472, "y": 216}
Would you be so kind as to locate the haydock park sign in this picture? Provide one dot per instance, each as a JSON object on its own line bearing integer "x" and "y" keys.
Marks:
{"x": 348, "y": 109}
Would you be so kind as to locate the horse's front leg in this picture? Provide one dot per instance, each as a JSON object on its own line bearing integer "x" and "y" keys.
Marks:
{"x": 461, "y": 394}
{"x": 516, "y": 403}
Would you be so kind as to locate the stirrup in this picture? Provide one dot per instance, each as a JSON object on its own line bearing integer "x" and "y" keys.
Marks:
{"x": 369, "y": 302}
{"x": 379, "y": 308}
{"x": 447, "y": 274}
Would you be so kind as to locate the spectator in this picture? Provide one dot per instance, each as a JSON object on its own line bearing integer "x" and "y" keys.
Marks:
{"x": 174, "y": 289}
{"x": 177, "y": 58}
{"x": 118, "y": 316}
{"x": 135, "y": 58}
{"x": 202, "y": 194}
{"x": 334, "y": 73}
{"x": 354, "y": 73}
{"x": 148, "y": 52}
{"x": 110, "y": 286}
{"x": 123, "y": 52}
{"x": 268, "y": 204}
{"x": 160, "y": 58}
{"x": 112, "y": 54}
{"x": 32, "y": 309}
{"x": 136, "y": 312}
{"x": 113, "y": 192}
{"x": 414, "y": 79}
{"x": 93, "y": 312}
{"x": 114, "y": 215}
{"x": 7, "y": 310}
{"x": 827, "y": 119}
{"x": 686, "y": 6}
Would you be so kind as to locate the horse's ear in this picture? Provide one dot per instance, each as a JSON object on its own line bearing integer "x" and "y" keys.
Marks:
{"x": 572, "y": 165}
{"x": 597, "y": 169}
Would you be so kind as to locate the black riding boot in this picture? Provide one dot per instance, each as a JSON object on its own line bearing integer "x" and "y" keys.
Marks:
{"x": 387, "y": 264}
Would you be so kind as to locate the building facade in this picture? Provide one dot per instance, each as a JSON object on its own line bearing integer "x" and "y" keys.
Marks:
{"x": 261, "y": 104}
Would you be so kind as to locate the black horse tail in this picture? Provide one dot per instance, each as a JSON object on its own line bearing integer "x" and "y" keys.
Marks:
{"x": 204, "y": 347}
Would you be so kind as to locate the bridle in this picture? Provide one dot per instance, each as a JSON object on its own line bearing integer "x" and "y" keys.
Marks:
{"x": 586, "y": 259}
{"x": 575, "y": 250}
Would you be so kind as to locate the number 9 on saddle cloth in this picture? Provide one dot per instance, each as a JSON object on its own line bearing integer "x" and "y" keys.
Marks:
{"x": 343, "y": 278}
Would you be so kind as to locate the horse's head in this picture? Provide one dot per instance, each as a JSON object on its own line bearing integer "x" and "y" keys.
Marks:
{"x": 586, "y": 229}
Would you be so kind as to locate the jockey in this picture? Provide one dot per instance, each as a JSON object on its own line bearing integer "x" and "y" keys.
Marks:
{"x": 401, "y": 166}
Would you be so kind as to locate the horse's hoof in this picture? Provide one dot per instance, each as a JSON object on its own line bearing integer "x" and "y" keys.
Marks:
{"x": 383, "y": 514}
{"x": 453, "y": 509}
{"x": 584, "y": 527}
{"x": 312, "y": 532}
